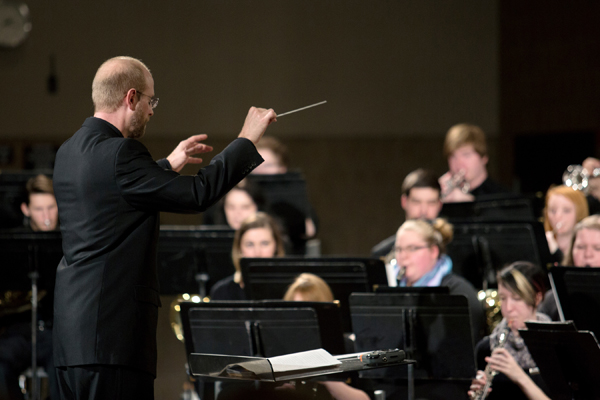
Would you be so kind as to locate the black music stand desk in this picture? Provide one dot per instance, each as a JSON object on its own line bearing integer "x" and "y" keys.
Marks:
{"x": 269, "y": 278}
{"x": 193, "y": 258}
{"x": 568, "y": 360}
{"x": 577, "y": 294}
{"x": 225, "y": 367}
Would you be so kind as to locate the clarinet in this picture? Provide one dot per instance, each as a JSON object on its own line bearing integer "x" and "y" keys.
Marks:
{"x": 482, "y": 393}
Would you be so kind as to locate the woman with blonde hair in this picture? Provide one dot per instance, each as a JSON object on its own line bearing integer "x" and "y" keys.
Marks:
{"x": 259, "y": 236}
{"x": 421, "y": 260}
{"x": 521, "y": 287}
{"x": 564, "y": 208}
{"x": 308, "y": 287}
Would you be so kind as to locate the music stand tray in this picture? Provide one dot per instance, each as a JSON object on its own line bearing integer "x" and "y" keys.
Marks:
{"x": 215, "y": 366}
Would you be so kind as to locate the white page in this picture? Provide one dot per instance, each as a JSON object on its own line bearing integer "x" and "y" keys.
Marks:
{"x": 318, "y": 358}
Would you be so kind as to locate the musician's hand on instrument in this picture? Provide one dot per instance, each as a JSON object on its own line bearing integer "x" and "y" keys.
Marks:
{"x": 502, "y": 361}
{"x": 444, "y": 180}
{"x": 590, "y": 164}
{"x": 477, "y": 384}
{"x": 185, "y": 150}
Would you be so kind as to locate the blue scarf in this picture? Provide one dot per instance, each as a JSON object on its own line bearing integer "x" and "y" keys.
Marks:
{"x": 434, "y": 277}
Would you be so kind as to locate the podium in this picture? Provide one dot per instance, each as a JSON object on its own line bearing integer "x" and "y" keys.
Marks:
{"x": 216, "y": 366}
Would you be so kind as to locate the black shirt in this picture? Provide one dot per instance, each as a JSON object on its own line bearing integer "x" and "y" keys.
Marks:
{"x": 227, "y": 289}
{"x": 502, "y": 387}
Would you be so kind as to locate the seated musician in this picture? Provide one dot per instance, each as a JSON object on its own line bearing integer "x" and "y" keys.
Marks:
{"x": 298, "y": 227}
{"x": 310, "y": 287}
{"x": 420, "y": 199}
{"x": 521, "y": 286}
{"x": 421, "y": 261}
{"x": 565, "y": 207}
{"x": 465, "y": 149}
{"x": 258, "y": 236}
{"x": 41, "y": 214}
{"x": 584, "y": 251}
{"x": 39, "y": 206}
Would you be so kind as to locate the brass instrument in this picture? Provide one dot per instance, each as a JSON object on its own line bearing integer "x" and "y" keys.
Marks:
{"x": 456, "y": 181}
{"x": 577, "y": 177}
{"x": 482, "y": 393}
{"x": 491, "y": 305}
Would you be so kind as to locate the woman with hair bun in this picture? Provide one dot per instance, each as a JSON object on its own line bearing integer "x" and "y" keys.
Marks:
{"x": 422, "y": 261}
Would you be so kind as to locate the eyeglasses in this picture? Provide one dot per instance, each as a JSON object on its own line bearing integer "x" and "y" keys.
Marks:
{"x": 153, "y": 100}
{"x": 409, "y": 249}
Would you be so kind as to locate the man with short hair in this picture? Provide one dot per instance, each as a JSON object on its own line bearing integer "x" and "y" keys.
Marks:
{"x": 110, "y": 192}
{"x": 40, "y": 204}
{"x": 465, "y": 149}
{"x": 420, "y": 199}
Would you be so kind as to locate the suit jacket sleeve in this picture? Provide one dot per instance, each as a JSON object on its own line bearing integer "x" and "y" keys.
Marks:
{"x": 146, "y": 185}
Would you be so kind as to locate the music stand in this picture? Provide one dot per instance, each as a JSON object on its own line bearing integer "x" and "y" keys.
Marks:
{"x": 433, "y": 329}
{"x": 478, "y": 250}
{"x": 193, "y": 258}
{"x": 223, "y": 328}
{"x": 327, "y": 314}
{"x": 493, "y": 208}
{"x": 269, "y": 278}
{"x": 577, "y": 294}
{"x": 568, "y": 360}
{"x": 29, "y": 263}
{"x": 288, "y": 188}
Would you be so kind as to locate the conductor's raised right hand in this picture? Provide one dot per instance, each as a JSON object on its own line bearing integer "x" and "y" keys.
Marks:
{"x": 256, "y": 123}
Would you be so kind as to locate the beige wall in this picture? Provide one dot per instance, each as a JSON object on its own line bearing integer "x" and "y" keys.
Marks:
{"x": 396, "y": 75}
{"x": 386, "y": 68}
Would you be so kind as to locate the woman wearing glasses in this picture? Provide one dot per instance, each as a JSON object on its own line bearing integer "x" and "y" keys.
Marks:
{"x": 422, "y": 261}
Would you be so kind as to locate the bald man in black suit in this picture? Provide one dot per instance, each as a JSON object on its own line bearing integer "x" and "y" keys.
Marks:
{"x": 109, "y": 193}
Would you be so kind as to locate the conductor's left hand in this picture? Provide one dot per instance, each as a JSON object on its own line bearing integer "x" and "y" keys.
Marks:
{"x": 184, "y": 152}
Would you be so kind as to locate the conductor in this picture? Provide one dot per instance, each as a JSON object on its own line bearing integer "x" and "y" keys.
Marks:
{"x": 109, "y": 193}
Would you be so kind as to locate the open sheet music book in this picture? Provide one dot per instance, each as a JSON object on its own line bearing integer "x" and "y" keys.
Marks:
{"x": 311, "y": 359}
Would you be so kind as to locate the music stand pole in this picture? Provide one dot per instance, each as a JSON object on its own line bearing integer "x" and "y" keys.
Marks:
{"x": 34, "y": 303}
{"x": 34, "y": 275}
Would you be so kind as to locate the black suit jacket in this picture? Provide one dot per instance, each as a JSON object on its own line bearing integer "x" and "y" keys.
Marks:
{"x": 109, "y": 193}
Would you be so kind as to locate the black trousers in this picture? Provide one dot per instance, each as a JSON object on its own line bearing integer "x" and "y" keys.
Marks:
{"x": 104, "y": 382}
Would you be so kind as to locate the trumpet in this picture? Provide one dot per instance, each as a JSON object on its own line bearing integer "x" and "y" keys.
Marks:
{"x": 456, "y": 181}
{"x": 577, "y": 177}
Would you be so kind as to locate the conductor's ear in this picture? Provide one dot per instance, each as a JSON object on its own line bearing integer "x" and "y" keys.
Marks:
{"x": 131, "y": 98}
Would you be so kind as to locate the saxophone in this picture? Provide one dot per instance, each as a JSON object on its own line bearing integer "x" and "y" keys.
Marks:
{"x": 482, "y": 393}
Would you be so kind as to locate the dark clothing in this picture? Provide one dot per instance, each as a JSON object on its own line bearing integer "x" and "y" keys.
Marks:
{"x": 109, "y": 193}
{"x": 488, "y": 187}
{"x": 15, "y": 358}
{"x": 460, "y": 286}
{"x": 227, "y": 289}
{"x": 100, "y": 382}
{"x": 384, "y": 247}
{"x": 549, "y": 307}
{"x": 502, "y": 387}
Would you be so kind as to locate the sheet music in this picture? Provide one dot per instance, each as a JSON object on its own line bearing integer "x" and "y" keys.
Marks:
{"x": 318, "y": 358}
